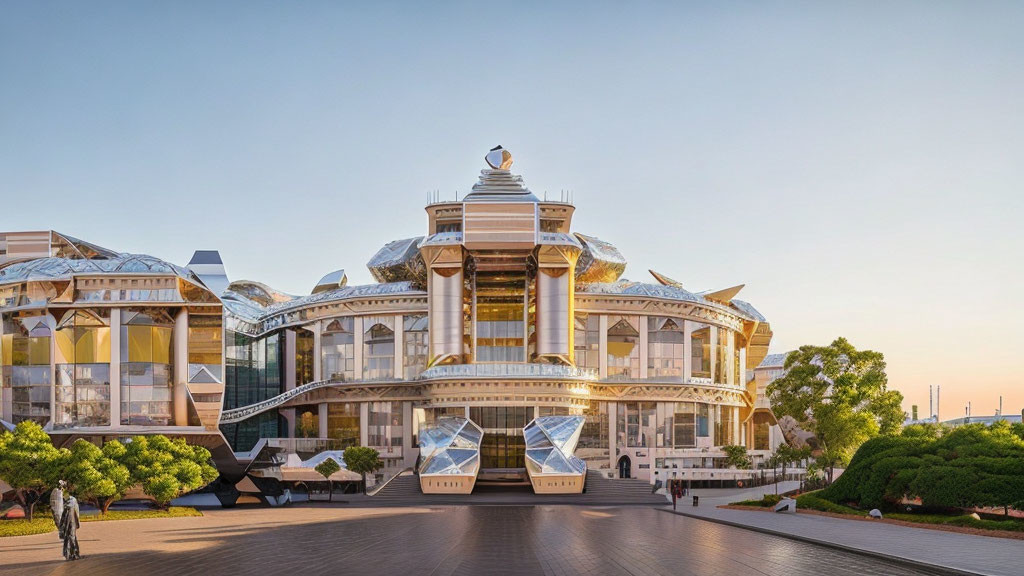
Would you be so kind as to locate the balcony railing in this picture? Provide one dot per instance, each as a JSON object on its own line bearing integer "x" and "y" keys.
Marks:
{"x": 508, "y": 371}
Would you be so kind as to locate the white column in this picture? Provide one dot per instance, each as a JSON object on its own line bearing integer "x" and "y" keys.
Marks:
{"x": 687, "y": 350}
{"x": 115, "y": 367}
{"x": 357, "y": 328}
{"x": 736, "y": 424}
{"x": 181, "y": 368}
{"x": 6, "y": 394}
{"x": 318, "y": 356}
{"x": 730, "y": 369}
{"x": 364, "y": 423}
{"x": 714, "y": 352}
{"x": 612, "y": 434}
{"x": 408, "y": 454}
{"x": 322, "y": 419}
{"x": 289, "y": 361}
{"x": 289, "y": 417}
{"x": 602, "y": 347}
{"x": 399, "y": 348}
{"x": 743, "y": 367}
{"x": 53, "y": 375}
{"x": 643, "y": 346}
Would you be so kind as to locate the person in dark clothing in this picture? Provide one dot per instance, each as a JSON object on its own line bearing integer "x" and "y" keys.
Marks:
{"x": 71, "y": 522}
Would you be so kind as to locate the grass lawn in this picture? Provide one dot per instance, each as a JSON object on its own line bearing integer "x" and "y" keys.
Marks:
{"x": 43, "y": 523}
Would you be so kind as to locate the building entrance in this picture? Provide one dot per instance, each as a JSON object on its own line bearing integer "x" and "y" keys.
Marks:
{"x": 503, "y": 445}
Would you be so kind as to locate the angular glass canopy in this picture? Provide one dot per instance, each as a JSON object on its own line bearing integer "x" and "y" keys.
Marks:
{"x": 451, "y": 446}
{"x": 550, "y": 443}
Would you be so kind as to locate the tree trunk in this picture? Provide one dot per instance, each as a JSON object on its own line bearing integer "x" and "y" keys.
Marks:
{"x": 106, "y": 506}
{"x": 364, "y": 482}
{"x": 330, "y": 491}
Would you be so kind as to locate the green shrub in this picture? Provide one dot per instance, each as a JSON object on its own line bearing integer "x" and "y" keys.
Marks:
{"x": 766, "y": 501}
{"x": 172, "y": 512}
{"x": 814, "y": 501}
{"x": 26, "y": 527}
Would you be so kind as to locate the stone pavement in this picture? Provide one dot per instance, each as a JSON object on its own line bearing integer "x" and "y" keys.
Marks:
{"x": 470, "y": 540}
{"x": 960, "y": 552}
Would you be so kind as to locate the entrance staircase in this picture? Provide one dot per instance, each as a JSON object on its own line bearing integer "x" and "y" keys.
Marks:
{"x": 404, "y": 490}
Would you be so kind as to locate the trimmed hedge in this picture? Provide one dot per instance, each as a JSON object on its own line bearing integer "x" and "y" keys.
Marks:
{"x": 23, "y": 527}
{"x": 814, "y": 501}
{"x": 44, "y": 524}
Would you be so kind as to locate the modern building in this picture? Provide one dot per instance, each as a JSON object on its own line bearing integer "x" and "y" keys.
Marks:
{"x": 499, "y": 313}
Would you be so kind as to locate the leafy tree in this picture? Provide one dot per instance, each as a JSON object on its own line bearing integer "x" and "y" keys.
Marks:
{"x": 362, "y": 460}
{"x": 785, "y": 455}
{"x": 736, "y": 456}
{"x": 97, "y": 475}
{"x": 30, "y": 463}
{"x": 167, "y": 468}
{"x": 327, "y": 468}
{"x": 839, "y": 394}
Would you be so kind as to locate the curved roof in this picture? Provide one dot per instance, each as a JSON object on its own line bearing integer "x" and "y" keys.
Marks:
{"x": 500, "y": 186}
{"x": 57, "y": 268}
{"x": 627, "y": 288}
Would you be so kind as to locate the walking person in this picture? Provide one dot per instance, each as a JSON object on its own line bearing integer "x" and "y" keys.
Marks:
{"x": 71, "y": 523}
{"x": 57, "y": 507}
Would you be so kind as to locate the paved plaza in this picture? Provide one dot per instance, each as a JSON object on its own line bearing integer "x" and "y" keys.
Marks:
{"x": 475, "y": 540}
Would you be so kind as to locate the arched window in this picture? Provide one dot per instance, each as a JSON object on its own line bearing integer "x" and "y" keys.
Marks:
{"x": 337, "y": 345}
{"x": 83, "y": 369}
{"x": 378, "y": 347}
{"x": 623, "y": 347}
{"x": 146, "y": 367}
{"x": 664, "y": 347}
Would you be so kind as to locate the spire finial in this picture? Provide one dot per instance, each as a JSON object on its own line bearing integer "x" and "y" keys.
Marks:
{"x": 498, "y": 158}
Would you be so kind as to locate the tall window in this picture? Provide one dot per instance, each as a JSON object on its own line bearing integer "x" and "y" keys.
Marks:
{"x": 337, "y": 345}
{"x": 416, "y": 343}
{"x": 254, "y": 369}
{"x": 304, "y": 357}
{"x": 665, "y": 340}
{"x": 25, "y": 366}
{"x": 307, "y": 421}
{"x": 587, "y": 340}
{"x": 500, "y": 317}
{"x": 205, "y": 344}
{"x": 721, "y": 356}
{"x": 724, "y": 425}
{"x": 343, "y": 423}
{"x": 684, "y": 425}
{"x": 146, "y": 367}
{"x": 384, "y": 427}
{"x": 623, "y": 347}
{"x": 700, "y": 351}
{"x": 378, "y": 347}
{"x": 83, "y": 369}
{"x": 636, "y": 423}
{"x": 737, "y": 346}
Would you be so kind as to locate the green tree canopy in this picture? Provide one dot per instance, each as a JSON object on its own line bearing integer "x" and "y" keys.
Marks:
{"x": 736, "y": 456}
{"x": 973, "y": 465}
{"x": 97, "y": 475}
{"x": 327, "y": 468}
{"x": 362, "y": 460}
{"x": 839, "y": 394}
{"x": 30, "y": 463}
{"x": 168, "y": 468}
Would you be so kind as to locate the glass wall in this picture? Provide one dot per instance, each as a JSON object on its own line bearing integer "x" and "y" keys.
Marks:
{"x": 761, "y": 424}
{"x": 724, "y": 418}
{"x": 623, "y": 347}
{"x": 83, "y": 369}
{"x": 587, "y": 340}
{"x": 503, "y": 445}
{"x": 25, "y": 366}
{"x": 665, "y": 338}
{"x": 337, "y": 345}
{"x": 244, "y": 435}
{"x": 700, "y": 351}
{"x": 427, "y": 416}
{"x": 304, "y": 357}
{"x": 721, "y": 356}
{"x": 384, "y": 427}
{"x": 378, "y": 347}
{"x": 684, "y": 425}
{"x": 205, "y": 344}
{"x": 500, "y": 317}
{"x": 636, "y": 423}
{"x": 416, "y": 344}
{"x": 254, "y": 369}
{"x": 343, "y": 423}
{"x": 146, "y": 366}
{"x": 593, "y": 444}
{"x": 307, "y": 421}
{"x": 737, "y": 346}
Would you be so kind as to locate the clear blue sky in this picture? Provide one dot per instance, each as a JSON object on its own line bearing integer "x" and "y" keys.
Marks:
{"x": 858, "y": 167}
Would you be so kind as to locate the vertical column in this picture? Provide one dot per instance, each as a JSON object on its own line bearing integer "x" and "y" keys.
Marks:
{"x": 318, "y": 356}
{"x": 357, "y": 346}
{"x": 289, "y": 360}
{"x": 53, "y": 375}
{"x": 115, "y": 367}
{"x": 289, "y": 417}
{"x": 322, "y": 419}
{"x": 730, "y": 369}
{"x": 612, "y": 433}
{"x": 714, "y": 352}
{"x": 741, "y": 378}
{"x": 364, "y": 423}
{"x": 736, "y": 424}
{"x": 643, "y": 348}
{"x": 602, "y": 347}
{"x": 687, "y": 350}
{"x": 399, "y": 348}
{"x": 181, "y": 368}
{"x": 7, "y": 394}
{"x": 408, "y": 450}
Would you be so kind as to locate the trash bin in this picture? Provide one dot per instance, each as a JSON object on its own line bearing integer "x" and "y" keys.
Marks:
{"x": 695, "y": 500}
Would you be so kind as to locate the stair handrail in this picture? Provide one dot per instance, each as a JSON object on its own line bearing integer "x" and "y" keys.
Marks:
{"x": 376, "y": 489}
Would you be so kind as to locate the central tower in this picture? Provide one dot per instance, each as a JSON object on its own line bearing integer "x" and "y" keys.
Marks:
{"x": 501, "y": 267}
